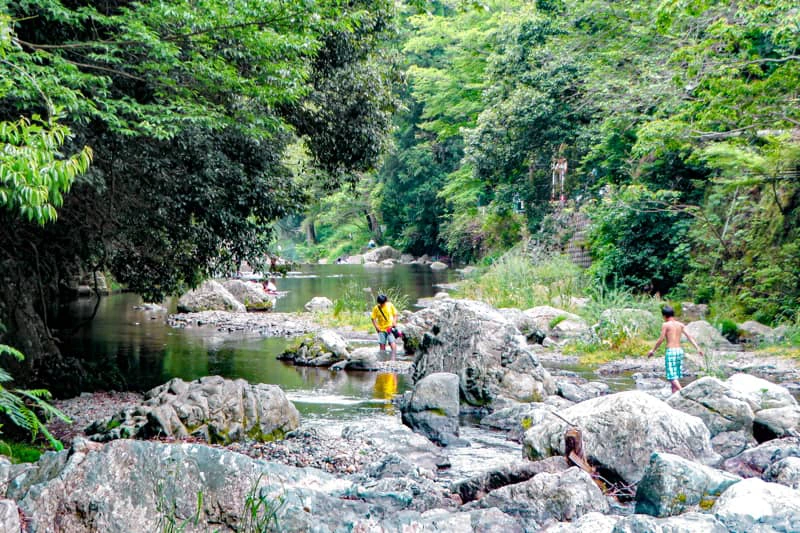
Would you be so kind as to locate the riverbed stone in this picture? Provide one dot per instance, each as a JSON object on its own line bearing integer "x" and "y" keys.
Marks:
{"x": 438, "y": 265}
{"x": 580, "y": 392}
{"x": 621, "y": 430}
{"x": 755, "y": 461}
{"x": 761, "y": 394}
{"x": 719, "y": 406}
{"x": 474, "y": 341}
{"x": 210, "y": 296}
{"x": 478, "y": 486}
{"x": 332, "y": 342}
{"x": 776, "y": 423}
{"x": 756, "y": 505}
{"x": 433, "y": 408}
{"x": 673, "y": 485}
{"x": 318, "y": 304}
{"x": 250, "y": 294}
{"x": 9, "y": 516}
{"x": 691, "y": 311}
{"x": 731, "y": 443}
{"x": 212, "y": 408}
{"x": 593, "y": 522}
{"x": 545, "y": 497}
{"x": 518, "y": 418}
{"x": 687, "y": 523}
{"x": 786, "y": 472}
{"x": 382, "y": 253}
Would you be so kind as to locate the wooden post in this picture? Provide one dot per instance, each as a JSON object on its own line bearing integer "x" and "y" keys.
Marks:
{"x": 573, "y": 449}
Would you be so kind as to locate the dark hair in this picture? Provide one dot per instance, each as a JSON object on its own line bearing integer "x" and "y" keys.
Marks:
{"x": 382, "y": 298}
{"x": 667, "y": 311}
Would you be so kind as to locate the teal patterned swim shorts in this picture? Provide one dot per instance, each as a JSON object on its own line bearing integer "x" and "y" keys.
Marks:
{"x": 673, "y": 362}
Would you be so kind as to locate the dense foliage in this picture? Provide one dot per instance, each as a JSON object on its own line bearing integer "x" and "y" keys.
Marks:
{"x": 188, "y": 113}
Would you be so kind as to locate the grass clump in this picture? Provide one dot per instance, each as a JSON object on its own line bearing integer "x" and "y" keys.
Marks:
{"x": 20, "y": 452}
{"x": 518, "y": 280}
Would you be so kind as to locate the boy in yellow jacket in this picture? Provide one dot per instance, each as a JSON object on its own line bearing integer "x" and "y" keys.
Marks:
{"x": 384, "y": 318}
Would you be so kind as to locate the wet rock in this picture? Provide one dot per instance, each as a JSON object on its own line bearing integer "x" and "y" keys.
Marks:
{"x": 753, "y": 462}
{"x": 731, "y": 443}
{"x": 475, "y": 342}
{"x": 381, "y": 253}
{"x": 720, "y": 407}
{"x": 589, "y": 523}
{"x": 360, "y": 359}
{"x": 318, "y": 304}
{"x": 563, "y": 496}
{"x": 433, "y": 408}
{"x": 755, "y": 505}
{"x": 687, "y": 523}
{"x": 250, "y": 294}
{"x": 673, "y": 485}
{"x": 621, "y": 430}
{"x": 776, "y": 423}
{"x": 478, "y": 486}
{"x": 212, "y": 408}
{"x": 786, "y": 472}
{"x": 332, "y": 342}
{"x": 761, "y": 394}
{"x": 210, "y": 296}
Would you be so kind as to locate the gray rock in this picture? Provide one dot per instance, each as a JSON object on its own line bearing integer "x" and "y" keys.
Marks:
{"x": 399, "y": 440}
{"x": 755, "y": 461}
{"x": 210, "y": 296}
{"x": 9, "y": 516}
{"x": 518, "y": 418}
{"x": 756, "y": 332}
{"x": 593, "y": 522}
{"x": 786, "y": 472}
{"x": 581, "y": 393}
{"x": 332, "y": 342}
{"x": 478, "y": 486}
{"x": 720, "y": 407}
{"x": 543, "y": 315}
{"x": 621, "y": 430}
{"x": 692, "y": 311}
{"x": 776, "y": 423}
{"x": 250, "y": 294}
{"x": 755, "y": 505}
{"x": 318, "y": 304}
{"x": 687, "y": 523}
{"x": 362, "y": 359}
{"x": 355, "y": 259}
{"x": 438, "y": 265}
{"x": 475, "y": 342}
{"x": 478, "y": 521}
{"x": 731, "y": 443}
{"x": 212, "y": 408}
{"x": 707, "y": 335}
{"x": 381, "y": 253}
{"x": 761, "y": 394}
{"x": 433, "y": 408}
{"x": 562, "y": 496}
{"x": 673, "y": 485}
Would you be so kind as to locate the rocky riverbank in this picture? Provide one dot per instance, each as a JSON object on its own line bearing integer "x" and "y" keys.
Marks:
{"x": 721, "y": 455}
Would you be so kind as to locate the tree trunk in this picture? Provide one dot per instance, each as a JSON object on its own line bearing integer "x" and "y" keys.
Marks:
{"x": 374, "y": 227}
{"x": 311, "y": 232}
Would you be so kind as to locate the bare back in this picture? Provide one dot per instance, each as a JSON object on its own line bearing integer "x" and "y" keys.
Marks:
{"x": 672, "y": 330}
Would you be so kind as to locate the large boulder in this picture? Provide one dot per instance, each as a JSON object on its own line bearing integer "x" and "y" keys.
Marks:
{"x": 776, "y": 423}
{"x": 144, "y": 486}
{"x": 685, "y": 523}
{"x": 761, "y": 394}
{"x": 593, "y": 522}
{"x": 332, "y": 342}
{"x": 691, "y": 312}
{"x": 210, "y": 296}
{"x": 719, "y": 406}
{"x": 755, "y": 505}
{"x": 756, "y": 332}
{"x": 476, "y": 487}
{"x": 360, "y": 359}
{"x": 433, "y": 408}
{"x": 754, "y": 461}
{"x": 673, "y": 485}
{"x": 382, "y": 253}
{"x": 212, "y": 408}
{"x": 731, "y": 443}
{"x": 318, "y": 304}
{"x": 250, "y": 294}
{"x": 621, "y": 430}
{"x": 707, "y": 336}
{"x": 561, "y": 496}
{"x": 475, "y": 342}
{"x": 786, "y": 472}
{"x": 9, "y": 516}
{"x": 558, "y": 323}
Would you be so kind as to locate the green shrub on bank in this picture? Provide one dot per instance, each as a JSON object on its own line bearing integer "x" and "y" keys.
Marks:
{"x": 517, "y": 280}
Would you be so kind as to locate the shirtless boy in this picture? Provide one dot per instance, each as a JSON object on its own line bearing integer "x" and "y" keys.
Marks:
{"x": 673, "y": 358}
